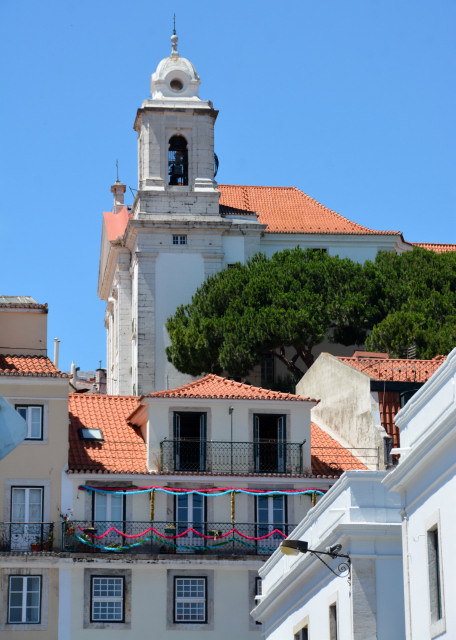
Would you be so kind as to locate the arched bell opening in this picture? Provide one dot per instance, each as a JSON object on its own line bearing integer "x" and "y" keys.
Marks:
{"x": 178, "y": 161}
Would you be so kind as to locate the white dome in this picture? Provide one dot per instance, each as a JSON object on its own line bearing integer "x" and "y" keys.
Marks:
{"x": 175, "y": 77}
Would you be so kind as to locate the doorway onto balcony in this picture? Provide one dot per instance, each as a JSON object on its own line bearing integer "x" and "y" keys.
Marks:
{"x": 269, "y": 436}
{"x": 26, "y": 517}
{"x": 189, "y": 441}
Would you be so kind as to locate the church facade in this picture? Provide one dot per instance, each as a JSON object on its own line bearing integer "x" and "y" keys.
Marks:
{"x": 183, "y": 227}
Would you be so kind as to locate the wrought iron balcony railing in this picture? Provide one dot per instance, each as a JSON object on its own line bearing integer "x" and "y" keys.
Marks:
{"x": 264, "y": 456}
{"x": 156, "y": 537}
{"x": 26, "y": 536}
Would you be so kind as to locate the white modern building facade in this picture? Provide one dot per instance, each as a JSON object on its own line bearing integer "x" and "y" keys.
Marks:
{"x": 426, "y": 482}
{"x": 303, "y": 598}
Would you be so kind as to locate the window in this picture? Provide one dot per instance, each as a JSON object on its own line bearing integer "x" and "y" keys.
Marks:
{"x": 24, "y": 600}
{"x": 189, "y": 441}
{"x": 179, "y": 239}
{"x": 190, "y": 600}
{"x": 333, "y": 622}
{"x": 90, "y": 434}
{"x": 269, "y": 443}
{"x": 26, "y": 517}
{"x": 107, "y": 595}
{"x": 267, "y": 369}
{"x": 108, "y": 511}
{"x": 178, "y": 161}
{"x": 190, "y": 512}
{"x": 258, "y": 593}
{"x": 435, "y": 576}
{"x": 271, "y": 513}
{"x": 303, "y": 634}
{"x": 33, "y": 416}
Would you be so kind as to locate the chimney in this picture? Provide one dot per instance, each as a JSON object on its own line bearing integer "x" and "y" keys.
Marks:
{"x": 56, "y": 352}
{"x": 118, "y": 189}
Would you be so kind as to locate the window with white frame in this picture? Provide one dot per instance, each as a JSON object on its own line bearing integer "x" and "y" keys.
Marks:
{"x": 190, "y": 600}
{"x": 179, "y": 239}
{"x": 24, "y": 600}
{"x": 33, "y": 416}
{"x": 107, "y": 596}
{"x": 435, "y": 574}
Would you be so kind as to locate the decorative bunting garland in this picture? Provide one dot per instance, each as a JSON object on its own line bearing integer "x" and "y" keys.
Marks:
{"x": 200, "y": 492}
{"x": 180, "y": 535}
{"x": 215, "y": 492}
{"x": 172, "y": 545}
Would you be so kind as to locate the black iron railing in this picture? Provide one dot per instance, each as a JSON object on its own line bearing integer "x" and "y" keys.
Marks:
{"x": 23, "y": 536}
{"x": 264, "y": 456}
{"x": 173, "y": 537}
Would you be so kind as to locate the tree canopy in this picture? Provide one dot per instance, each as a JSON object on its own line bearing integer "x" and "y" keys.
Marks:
{"x": 289, "y": 303}
{"x": 416, "y": 303}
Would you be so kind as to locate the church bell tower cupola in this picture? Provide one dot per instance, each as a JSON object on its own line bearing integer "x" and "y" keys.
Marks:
{"x": 176, "y": 143}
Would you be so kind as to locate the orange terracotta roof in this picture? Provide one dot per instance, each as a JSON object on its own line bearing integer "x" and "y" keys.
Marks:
{"x": 281, "y": 209}
{"x": 328, "y": 456}
{"x": 436, "y": 248}
{"x": 288, "y": 210}
{"x": 123, "y": 449}
{"x": 395, "y": 369}
{"x": 29, "y": 366}
{"x": 218, "y": 388}
{"x": 116, "y": 223}
{"x": 21, "y": 302}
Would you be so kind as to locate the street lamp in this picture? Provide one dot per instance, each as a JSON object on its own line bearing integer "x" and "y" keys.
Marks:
{"x": 294, "y": 547}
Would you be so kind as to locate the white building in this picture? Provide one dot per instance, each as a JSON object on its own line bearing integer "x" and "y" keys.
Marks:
{"x": 302, "y": 598}
{"x": 183, "y": 227}
{"x": 426, "y": 481}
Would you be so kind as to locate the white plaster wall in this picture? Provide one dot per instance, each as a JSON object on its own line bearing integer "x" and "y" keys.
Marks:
{"x": 219, "y": 420}
{"x": 357, "y": 248}
{"x": 151, "y": 600}
{"x": 177, "y": 277}
{"x": 348, "y": 409}
{"x": 432, "y": 507}
{"x": 361, "y": 515}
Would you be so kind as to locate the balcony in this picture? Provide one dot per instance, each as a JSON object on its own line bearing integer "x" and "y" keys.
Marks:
{"x": 151, "y": 538}
{"x": 20, "y": 536}
{"x": 230, "y": 458}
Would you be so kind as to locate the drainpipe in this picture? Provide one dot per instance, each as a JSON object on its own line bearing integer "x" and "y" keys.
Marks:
{"x": 406, "y": 571}
{"x": 230, "y": 411}
{"x": 56, "y": 352}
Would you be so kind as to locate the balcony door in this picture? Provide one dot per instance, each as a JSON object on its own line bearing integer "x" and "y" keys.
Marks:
{"x": 190, "y": 441}
{"x": 271, "y": 513}
{"x": 108, "y": 511}
{"x": 190, "y": 510}
{"x": 269, "y": 435}
{"x": 26, "y": 516}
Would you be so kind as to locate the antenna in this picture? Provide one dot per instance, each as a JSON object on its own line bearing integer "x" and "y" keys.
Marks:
{"x": 117, "y": 170}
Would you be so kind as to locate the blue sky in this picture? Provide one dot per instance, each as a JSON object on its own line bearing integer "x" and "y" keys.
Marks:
{"x": 353, "y": 102}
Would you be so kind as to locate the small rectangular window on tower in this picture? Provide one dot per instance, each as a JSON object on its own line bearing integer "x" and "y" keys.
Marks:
{"x": 179, "y": 239}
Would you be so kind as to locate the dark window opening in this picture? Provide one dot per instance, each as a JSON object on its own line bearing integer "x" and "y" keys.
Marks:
{"x": 267, "y": 369}
{"x": 190, "y": 441}
{"x": 178, "y": 161}
{"x": 269, "y": 443}
{"x": 435, "y": 581}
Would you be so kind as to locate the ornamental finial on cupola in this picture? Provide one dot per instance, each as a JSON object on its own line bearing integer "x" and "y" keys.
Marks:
{"x": 174, "y": 39}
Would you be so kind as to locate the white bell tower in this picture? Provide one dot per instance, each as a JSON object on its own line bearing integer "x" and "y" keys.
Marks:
{"x": 176, "y": 144}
